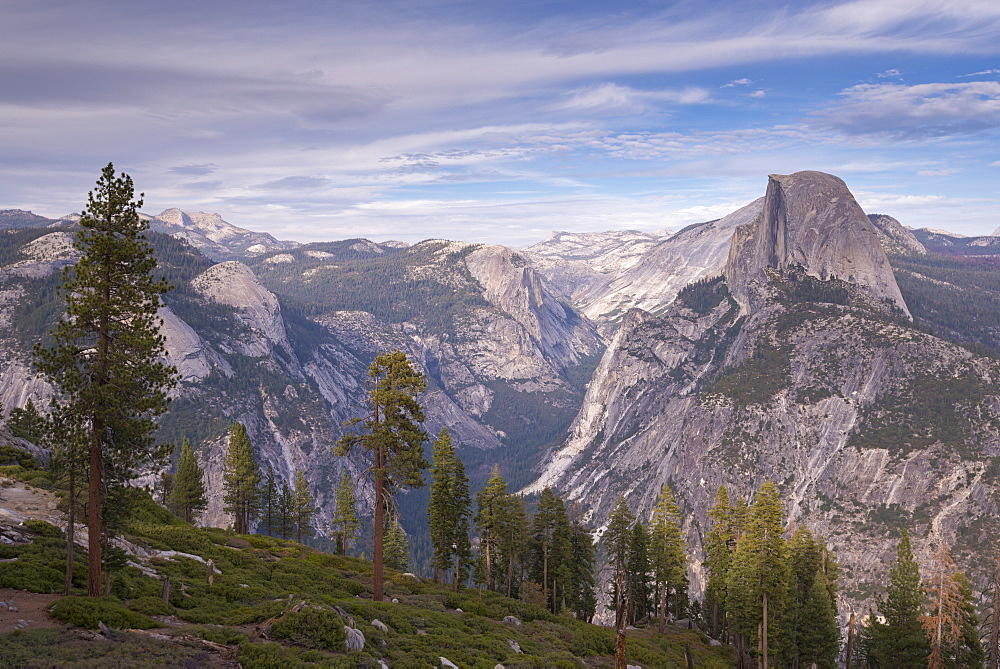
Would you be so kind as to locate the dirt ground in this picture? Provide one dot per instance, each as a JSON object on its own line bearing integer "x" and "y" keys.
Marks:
{"x": 31, "y": 610}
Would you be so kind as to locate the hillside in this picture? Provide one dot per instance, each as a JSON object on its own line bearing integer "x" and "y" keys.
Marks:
{"x": 277, "y": 603}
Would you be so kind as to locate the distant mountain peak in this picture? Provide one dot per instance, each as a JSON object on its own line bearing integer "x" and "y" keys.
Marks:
{"x": 215, "y": 237}
{"x": 809, "y": 220}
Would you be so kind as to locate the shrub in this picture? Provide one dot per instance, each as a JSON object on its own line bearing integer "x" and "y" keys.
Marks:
{"x": 43, "y": 528}
{"x": 88, "y": 612}
{"x": 313, "y": 628}
{"x": 151, "y": 606}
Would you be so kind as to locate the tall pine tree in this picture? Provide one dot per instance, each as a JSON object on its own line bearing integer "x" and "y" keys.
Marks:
{"x": 491, "y": 509}
{"x": 449, "y": 511}
{"x": 758, "y": 578}
{"x": 719, "y": 546}
{"x": 269, "y": 501}
{"x": 106, "y": 360}
{"x": 391, "y": 435}
{"x": 345, "y": 514}
{"x": 668, "y": 556}
{"x": 241, "y": 480}
{"x": 302, "y": 501}
{"x": 617, "y": 540}
{"x": 187, "y": 493}
{"x": 901, "y": 641}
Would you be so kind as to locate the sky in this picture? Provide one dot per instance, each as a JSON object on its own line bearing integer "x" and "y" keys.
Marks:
{"x": 500, "y": 121}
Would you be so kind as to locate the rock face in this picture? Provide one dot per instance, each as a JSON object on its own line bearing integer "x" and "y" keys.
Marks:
{"x": 866, "y": 424}
{"x": 810, "y": 220}
{"x": 895, "y": 237}
{"x": 606, "y": 275}
{"x": 213, "y": 236}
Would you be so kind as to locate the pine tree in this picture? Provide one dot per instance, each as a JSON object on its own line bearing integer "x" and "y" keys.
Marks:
{"x": 302, "y": 503}
{"x": 107, "y": 352}
{"x": 560, "y": 555}
{"x": 28, "y": 423}
{"x": 285, "y": 526}
{"x": 241, "y": 480}
{"x": 758, "y": 578}
{"x": 819, "y": 636}
{"x": 269, "y": 501}
{"x": 719, "y": 545}
{"x": 345, "y": 515}
{"x": 901, "y": 641}
{"x": 951, "y": 615}
{"x": 617, "y": 539}
{"x": 393, "y": 439}
{"x": 449, "y": 511}
{"x": 396, "y": 551}
{"x": 187, "y": 494}
{"x": 491, "y": 508}
{"x": 638, "y": 571}
{"x": 580, "y": 597}
{"x": 541, "y": 569}
{"x": 513, "y": 543}
{"x": 668, "y": 555}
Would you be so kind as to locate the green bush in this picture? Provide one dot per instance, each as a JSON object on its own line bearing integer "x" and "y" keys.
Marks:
{"x": 43, "y": 528}
{"x": 313, "y": 628}
{"x": 88, "y": 612}
{"x": 11, "y": 455}
{"x": 151, "y": 606}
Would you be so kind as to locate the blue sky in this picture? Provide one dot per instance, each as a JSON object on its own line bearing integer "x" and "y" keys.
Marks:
{"x": 500, "y": 122}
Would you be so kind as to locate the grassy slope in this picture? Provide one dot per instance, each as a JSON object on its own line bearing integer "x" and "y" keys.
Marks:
{"x": 264, "y": 577}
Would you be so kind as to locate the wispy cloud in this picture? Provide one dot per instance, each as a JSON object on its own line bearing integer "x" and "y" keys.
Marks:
{"x": 922, "y": 110}
{"x": 892, "y": 73}
{"x": 944, "y": 172}
{"x": 739, "y": 82}
{"x": 979, "y": 74}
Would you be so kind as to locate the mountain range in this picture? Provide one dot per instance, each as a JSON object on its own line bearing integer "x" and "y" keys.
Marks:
{"x": 849, "y": 359}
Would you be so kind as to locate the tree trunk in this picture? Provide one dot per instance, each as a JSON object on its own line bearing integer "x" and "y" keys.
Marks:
{"x": 379, "y": 519}
{"x": 70, "y": 529}
{"x": 763, "y": 635}
{"x": 458, "y": 562}
{"x": 490, "y": 585}
{"x": 715, "y": 619}
{"x": 94, "y": 514}
{"x": 663, "y": 608}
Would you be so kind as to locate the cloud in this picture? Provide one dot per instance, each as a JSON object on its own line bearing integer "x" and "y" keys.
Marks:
{"x": 980, "y": 74}
{"x": 995, "y": 163}
{"x": 739, "y": 82}
{"x": 613, "y": 97}
{"x": 944, "y": 172}
{"x": 919, "y": 111}
{"x": 889, "y": 74}
{"x": 758, "y": 94}
{"x": 194, "y": 170}
{"x": 296, "y": 183}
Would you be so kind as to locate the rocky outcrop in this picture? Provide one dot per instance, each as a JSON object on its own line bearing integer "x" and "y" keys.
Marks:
{"x": 895, "y": 237}
{"x": 235, "y": 285}
{"x": 214, "y": 237}
{"x": 809, "y": 220}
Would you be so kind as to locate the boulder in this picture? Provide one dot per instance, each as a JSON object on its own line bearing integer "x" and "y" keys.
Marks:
{"x": 379, "y": 625}
{"x": 355, "y": 639}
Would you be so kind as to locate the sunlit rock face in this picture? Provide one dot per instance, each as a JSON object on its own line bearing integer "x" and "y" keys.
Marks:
{"x": 810, "y": 220}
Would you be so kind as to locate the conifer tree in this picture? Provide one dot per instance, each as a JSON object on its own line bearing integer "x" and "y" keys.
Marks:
{"x": 543, "y": 524}
{"x": 106, "y": 361}
{"x": 491, "y": 508}
{"x": 302, "y": 503}
{"x": 951, "y": 618}
{"x": 28, "y": 423}
{"x": 758, "y": 577}
{"x": 561, "y": 571}
{"x": 719, "y": 545}
{"x": 580, "y": 597}
{"x": 241, "y": 480}
{"x": 396, "y": 549}
{"x": 187, "y": 494}
{"x": 901, "y": 641}
{"x": 513, "y": 542}
{"x": 449, "y": 511}
{"x": 285, "y": 526}
{"x": 617, "y": 539}
{"x": 392, "y": 437}
{"x": 819, "y": 637}
{"x": 638, "y": 571}
{"x": 269, "y": 501}
{"x": 345, "y": 515}
{"x": 668, "y": 555}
